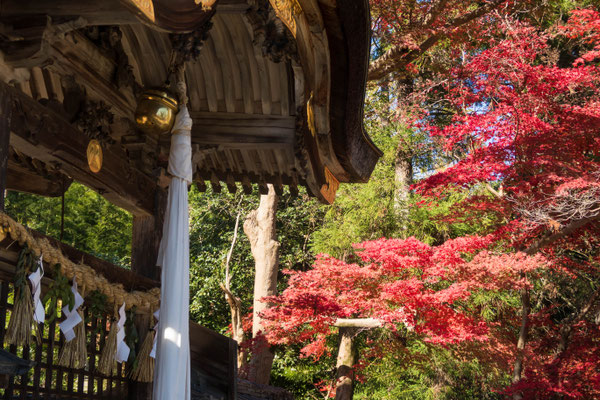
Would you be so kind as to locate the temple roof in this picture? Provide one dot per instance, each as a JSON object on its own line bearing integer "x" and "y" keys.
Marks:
{"x": 276, "y": 92}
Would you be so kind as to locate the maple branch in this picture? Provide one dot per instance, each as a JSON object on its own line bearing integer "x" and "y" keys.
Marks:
{"x": 566, "y": 230}
{"x": 565, "y": 330}
{"x": 497, "y": 193}
{"x": 398, "y": 57}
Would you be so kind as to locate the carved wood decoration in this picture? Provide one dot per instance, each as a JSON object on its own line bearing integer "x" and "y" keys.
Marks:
{"x": 250, "y": 66}
{"x": 43, "y": 134}
{"x": 108, "y": 38}
{"x": 94, "y": 119}
{"x": 304, "y": 20}
{"x": 270, "y": 33}
{"x": 187, "y": 46}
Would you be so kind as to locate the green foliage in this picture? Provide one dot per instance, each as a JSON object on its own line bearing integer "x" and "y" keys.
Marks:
{"x": 131, "y": 337}
{"x": 92, "y": 224}
{"x": 423, "y": 372}
{"x": 300, "y": 376}
{"x": 96, "y": 302}
{"x": 26, "y": 264}
{"x": 60, "y": 289}
{"x": 212, "y": 220}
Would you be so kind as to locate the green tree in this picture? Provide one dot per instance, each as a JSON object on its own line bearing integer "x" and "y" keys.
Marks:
{"x": 91, "y": 223}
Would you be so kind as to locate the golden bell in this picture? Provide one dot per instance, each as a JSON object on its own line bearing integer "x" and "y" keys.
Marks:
{"x": 155, "y": 112}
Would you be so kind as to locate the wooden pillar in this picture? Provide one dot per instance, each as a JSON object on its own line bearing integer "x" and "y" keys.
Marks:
{"x": 146, "y": 235}
{"x": 5, "y": 113}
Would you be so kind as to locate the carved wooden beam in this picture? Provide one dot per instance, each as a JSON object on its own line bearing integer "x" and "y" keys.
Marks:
{"x": 70, "y": 53}
{"x": 32, "y": 176}
{"x": 166, "y": 15}
{"x": 42, "y": 134}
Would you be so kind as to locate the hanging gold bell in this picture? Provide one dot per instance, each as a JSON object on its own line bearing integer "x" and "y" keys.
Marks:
{"x": 155, "y": 112}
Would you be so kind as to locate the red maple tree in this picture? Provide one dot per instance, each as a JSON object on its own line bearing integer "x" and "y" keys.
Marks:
{"x": 525, "y": 134}
{"x": 526, "y": 128}
{"x": 404, "y": 285}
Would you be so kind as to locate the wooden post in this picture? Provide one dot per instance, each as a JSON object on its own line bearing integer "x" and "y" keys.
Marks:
{"x": 5, "y": 113}
{"x": 146, "y": 235}
{"x": 345, "y": 365}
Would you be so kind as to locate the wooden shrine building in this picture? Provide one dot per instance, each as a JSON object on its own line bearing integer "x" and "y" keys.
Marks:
{"x": 276, "y": 91}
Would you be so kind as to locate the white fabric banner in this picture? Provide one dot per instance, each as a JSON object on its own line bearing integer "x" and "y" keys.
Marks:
{"x": 36, "y": 286}
{"x": 172, "y": 371}
{"x": 122, "y": 348}
{"x": 73, "y": 317}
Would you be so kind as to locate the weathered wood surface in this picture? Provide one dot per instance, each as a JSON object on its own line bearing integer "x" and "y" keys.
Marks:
{"x": 5, "y": 115}
{"x": 41, "y": 133}
{"x": 234, "y": 130}
{"x": 169, "y": 15}
{"x": 215, "y": 357}
{"x": 32, "y": 176}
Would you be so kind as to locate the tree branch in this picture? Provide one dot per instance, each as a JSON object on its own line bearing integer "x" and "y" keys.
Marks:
{"x": 398, "y": 57}
{"x": 568, "y": 229}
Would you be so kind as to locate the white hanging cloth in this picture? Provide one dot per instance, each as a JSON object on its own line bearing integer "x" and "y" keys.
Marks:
{"x": 172, "y": 371}
{"x": 73, "y": 317}
{"x": 36, "y": 285}
{"x": 122, "y": 348}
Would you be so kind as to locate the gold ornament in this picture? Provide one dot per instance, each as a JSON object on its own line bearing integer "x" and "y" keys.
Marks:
{"x": 155, "y": 112}
{"x": 94, "y": 156}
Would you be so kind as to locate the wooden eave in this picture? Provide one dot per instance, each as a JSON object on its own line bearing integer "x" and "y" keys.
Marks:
{"x": 295, "y": 121}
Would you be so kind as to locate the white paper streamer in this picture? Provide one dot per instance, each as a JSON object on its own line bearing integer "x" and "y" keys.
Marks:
{"x": 153, "y": 352}
{"x": 122, "y": 348}
{"x": 36, "y": 286}
{"x": 72, "y": 315}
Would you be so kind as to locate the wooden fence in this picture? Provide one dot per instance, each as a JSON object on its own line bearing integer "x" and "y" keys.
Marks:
{"x": 47, "y": 380}
{"x": 213, "y": 356}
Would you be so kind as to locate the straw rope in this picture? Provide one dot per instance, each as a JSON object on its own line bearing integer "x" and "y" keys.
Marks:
{"x": 86, "y": 275}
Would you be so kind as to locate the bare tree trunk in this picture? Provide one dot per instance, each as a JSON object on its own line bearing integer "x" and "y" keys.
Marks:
{"x": 403, "y": 177}
{"x": 260, "y": 229}
{"x": 345, "y": 365}
{"x": 235, "y": 304}
{"x": 518, "y": 368}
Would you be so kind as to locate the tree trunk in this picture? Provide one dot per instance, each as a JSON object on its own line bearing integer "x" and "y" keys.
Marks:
{"x": 235, "y": 306}
{"x": 403, "y": 176}
{"x": 260, "y": 229}
{"x": 518, "y": 369}
{"x": 345, "y": 365}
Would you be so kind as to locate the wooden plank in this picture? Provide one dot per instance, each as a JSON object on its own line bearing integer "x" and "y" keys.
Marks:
{"x": 40, "y": 133}
{"x": 242, "y": 131}
{"x": 5, "y": 116}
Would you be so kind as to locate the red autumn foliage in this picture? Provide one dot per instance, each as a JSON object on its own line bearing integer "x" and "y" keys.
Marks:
{"x": 406, "y": 284}
{"x": 528, "y": 131}
{"x": 526, "y": 127}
